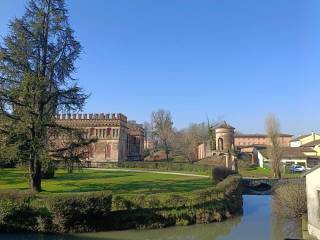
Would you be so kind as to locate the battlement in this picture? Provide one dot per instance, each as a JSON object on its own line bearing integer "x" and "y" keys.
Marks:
{"x": 92, "y": 116}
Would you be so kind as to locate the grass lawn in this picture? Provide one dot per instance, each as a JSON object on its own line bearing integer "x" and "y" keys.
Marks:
{"x": 258, "y": 172}
{"x": 118, "y": 182}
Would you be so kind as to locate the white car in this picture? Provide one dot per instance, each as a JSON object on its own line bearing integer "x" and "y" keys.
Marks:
{"x": 297, "y": 168}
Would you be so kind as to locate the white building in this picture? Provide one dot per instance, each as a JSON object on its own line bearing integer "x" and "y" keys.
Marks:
{"x": 313, "y": 197}
{"x": 303, "y": 139}
{"x": 304, "y": 156}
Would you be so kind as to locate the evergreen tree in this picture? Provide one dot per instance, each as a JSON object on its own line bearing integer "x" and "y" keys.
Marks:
{"x": 37, "y": 61}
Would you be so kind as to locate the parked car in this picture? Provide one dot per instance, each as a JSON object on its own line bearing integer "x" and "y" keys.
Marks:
{"x": 297, "y": 168}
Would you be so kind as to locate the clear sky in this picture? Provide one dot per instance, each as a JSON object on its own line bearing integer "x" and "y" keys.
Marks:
{"x": 233, "y": 60}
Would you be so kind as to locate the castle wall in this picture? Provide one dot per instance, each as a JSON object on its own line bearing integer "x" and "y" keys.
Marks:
{"x": 112, "y": 132}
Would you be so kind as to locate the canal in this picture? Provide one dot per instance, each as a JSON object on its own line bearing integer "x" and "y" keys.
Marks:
{"x": 259, "y": 221}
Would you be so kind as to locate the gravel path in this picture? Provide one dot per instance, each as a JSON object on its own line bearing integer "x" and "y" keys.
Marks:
{"x": 148, "y": 171}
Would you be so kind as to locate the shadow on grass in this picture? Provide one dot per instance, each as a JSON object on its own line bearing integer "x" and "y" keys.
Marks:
{"x": 13, "y": 176}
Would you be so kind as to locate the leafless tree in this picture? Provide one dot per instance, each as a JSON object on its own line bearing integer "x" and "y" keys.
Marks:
{"x": 187, "y": 140}
{"x": 272, "y": 126}
{"x": 162, "y": 129}
{"x": 290, "y": 198}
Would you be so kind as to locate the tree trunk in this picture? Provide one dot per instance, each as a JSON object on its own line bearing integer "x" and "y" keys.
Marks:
{"x": 35, "y": 175}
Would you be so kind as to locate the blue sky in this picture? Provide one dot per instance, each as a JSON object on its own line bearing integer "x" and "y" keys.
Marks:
{"x": 232, "y": 60}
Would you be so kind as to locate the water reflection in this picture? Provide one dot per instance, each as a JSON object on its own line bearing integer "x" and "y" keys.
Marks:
{"x": 259, "y": 221}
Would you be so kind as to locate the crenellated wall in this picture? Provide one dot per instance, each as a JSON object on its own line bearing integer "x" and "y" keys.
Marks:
{"x": 93, "y": 116}
{"x": 117, "y": 139}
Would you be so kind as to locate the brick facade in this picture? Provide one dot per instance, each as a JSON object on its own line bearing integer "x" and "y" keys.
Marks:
{"x": 244, "y": 140}
{"x": 117, "y": 139}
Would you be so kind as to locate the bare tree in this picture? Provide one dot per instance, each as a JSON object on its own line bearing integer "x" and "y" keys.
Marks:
{"x": 162, "y": 129}
{"x": 272, "y": 126}
{"x": 187, "y": 140}
{"x": 291, "y": 199}
{"x": 70, "y": 146}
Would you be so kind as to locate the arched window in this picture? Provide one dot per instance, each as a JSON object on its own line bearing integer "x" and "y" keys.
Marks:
{"x": 220, "y": 144}
{"x": 92, "y": 150}
{"x": 107, "y": 151}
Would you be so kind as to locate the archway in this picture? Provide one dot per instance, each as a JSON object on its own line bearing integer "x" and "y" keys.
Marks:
{"x": 220, "y": 144}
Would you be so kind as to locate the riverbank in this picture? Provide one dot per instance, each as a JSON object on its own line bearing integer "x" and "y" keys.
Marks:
{"x": 258, "y": 221}
{"x": 172, "y": 200}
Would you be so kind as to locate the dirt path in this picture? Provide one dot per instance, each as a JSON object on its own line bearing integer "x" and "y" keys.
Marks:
{"x": 148, "y": 171}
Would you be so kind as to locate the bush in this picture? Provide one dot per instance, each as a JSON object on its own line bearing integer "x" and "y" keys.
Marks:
{"x": 291, "y": 198}
{"x": 16, "y": 212}
{"x": 7, "y": 164}
{"x": 80, "y": 212}
{"x": 171, "y": 166}
{"x": 221, "y": 173}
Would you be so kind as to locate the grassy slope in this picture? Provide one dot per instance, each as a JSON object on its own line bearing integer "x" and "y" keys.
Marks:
{"x": 257, "y": 172}
{"x": 118, "y": 182}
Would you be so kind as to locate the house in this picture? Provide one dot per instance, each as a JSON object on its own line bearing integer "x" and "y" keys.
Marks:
{"x": 304, "y": 156}
{"x": 315, "y": 145}
{"x": 313, "y": 199}
{"x": 304, "y": 139}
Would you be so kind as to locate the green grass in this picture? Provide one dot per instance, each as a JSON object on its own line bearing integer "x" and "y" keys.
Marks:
{"x": 257, "y": 172}
{"x": 119, "y": 182}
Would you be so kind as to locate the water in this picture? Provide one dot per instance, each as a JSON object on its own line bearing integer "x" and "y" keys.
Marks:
{"x": 259, "y": 222}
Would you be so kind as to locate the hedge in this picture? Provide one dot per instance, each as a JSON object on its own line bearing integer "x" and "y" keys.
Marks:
{"x": 16, "y": 212}
{"x": 79, "y": 212}
{"x": 98, "y": 211}
{"x": 203, "y": 206}
{"x": 170, "y": 166}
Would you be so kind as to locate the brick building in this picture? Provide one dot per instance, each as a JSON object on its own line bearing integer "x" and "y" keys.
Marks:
{"x": 245, "y": 140}
{"x": 117, "y": 138}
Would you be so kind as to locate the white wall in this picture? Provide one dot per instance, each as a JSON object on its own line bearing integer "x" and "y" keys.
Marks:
{"x": 261, "y": 159}
{"x": 313, "y": 196}
{"x": 295, "y": 144}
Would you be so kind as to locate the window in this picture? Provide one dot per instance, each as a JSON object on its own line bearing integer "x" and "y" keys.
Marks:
{"x": 113, "y": 132}
{"x": 92, "y": 150}
{"x": 104, "y": 133}
{"x": 108, "y": 131}
{"x": 91, "y": 131}
{"x": 107, "y": 151}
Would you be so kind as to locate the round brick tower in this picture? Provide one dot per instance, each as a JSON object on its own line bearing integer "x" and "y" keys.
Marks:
{"x": 224, "y": 137}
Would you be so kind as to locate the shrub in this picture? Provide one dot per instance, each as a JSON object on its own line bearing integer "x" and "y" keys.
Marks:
{"x": 176, "y": 200}
{"x": 80, "y": 212}
{"x": 7, "y": 163}
{"x": 16, "y": 212}
{"x": 120, "y": 203}
{"x": 291, "y": 198}
{"x": 172, "y": 166}
{"x": 220, "y": 173}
